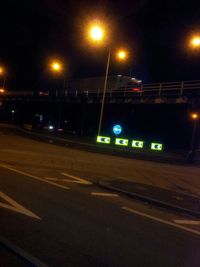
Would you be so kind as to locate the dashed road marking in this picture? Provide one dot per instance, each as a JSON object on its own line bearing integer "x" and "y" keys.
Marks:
{"x": 161, "y": 220}
{"x": 33, "y": 176}
{"x": 191, "y": 222}
{"x": 76, "y": 179}
{"x": 102, "y": 194}
{"x": 14, "y": 206}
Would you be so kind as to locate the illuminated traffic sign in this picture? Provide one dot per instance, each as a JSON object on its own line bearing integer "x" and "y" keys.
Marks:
{"x": 121, "y": 142}
{"x": 137, "y": 143}
{"x": 103, "y": 139}
{"x": 156, "y": 146}
{"x": 117, "y": 129}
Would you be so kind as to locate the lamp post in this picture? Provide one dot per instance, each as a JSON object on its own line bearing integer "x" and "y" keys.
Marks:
{"x": 57, "y": 68}
{"x": 97, "y": 36}
{"x": 195, "y": 117}
{"x": 2, "y": 73}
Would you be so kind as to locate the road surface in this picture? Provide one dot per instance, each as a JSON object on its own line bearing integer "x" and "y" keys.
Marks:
{"x": 56, "y": 217}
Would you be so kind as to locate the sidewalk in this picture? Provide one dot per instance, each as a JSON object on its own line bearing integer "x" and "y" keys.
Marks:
{"x": 157, "y": 196}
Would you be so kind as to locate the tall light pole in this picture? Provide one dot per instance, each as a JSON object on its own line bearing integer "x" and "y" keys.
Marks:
{"x": 2, "y": 73}
{"x": 57, "y": 67}
{"x": 195, "y": 117}
{"x": 97, "y": 35}
{"x": 104, "y": 91}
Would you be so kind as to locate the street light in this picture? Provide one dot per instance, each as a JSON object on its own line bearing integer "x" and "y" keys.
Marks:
{"x": 121, "y": 54}
{"x": 2, "y": 73}
{"x": 56, "y": 66}
{"x": 195, "y": 117}
{"x": 97, "y": 34}
{"x": 195, "y": 42}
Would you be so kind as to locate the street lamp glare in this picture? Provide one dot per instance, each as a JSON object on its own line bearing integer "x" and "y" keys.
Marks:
{"x": 121, "y": 54}
{"x": 1, "y": 70}
{"x": 195, "y": 41}
{"x": 195, "y": 116}
{"x": 56, "y": 66}
{"x": 96, "y": 33}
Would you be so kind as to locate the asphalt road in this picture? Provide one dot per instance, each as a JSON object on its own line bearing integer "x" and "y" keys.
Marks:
{"x": 61, "y": 218}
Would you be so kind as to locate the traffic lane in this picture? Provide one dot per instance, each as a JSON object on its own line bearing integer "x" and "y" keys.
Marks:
{"x": 27, "y": 153}
{"x": 63, "y": 178}
{"x": 95, "y": 228}
{"x": 183, "y": 221}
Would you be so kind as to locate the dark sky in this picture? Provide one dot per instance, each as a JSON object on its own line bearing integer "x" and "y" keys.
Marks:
{"x": 155, "y": 32}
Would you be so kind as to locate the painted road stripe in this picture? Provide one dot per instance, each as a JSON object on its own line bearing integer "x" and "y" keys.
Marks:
{"x": 14, "y": 206}
{"x": 104, "y": 194}
{"x": 52, "y": 179}
{"x": 33, "y": 176}
{"x": 76, "y": 179}
{"x": 161, "y": 220}
{"x": 187, "y": 222}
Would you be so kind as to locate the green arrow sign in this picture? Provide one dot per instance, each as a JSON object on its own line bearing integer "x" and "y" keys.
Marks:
{"x": 137, "y": 143}
{"x": 121, "y": 142}
{"x": 156, "y": 146}
{"x": 103, "y": 139}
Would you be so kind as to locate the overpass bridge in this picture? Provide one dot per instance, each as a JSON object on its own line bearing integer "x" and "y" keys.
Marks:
{"x": 180, "y": 92}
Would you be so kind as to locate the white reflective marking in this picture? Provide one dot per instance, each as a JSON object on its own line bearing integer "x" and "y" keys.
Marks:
{"x": 104, "y": 194}
{"x": 191, "y": 222}
{"x": 51, "y": 179}
{"x": 33, "y": 176}
{"x": 14, "y": 206}
{"x": 76, "y": 179}
{"x": 161, "y": 220}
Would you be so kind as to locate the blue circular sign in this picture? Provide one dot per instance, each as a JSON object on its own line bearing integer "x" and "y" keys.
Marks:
{"x": 117, "y": 129}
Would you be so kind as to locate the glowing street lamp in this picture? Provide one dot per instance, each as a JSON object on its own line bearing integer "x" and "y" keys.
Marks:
{"x": 195, "y": 116}
{"x": 56, "y": 66}
{"x": 195, "y": 42}
{"x": 1, "y": 70}
{"x": 97, "y": 34}
{"x": 121, "y": 55}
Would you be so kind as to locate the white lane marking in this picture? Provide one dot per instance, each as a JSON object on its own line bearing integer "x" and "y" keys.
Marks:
{"x": 191, "y": 222}
{"x": 14, "y": 206}
{"x": 161, "y": 220}
{"x": 76, "y": 179}
{"x": 104, "y": 194}
{"x": 33, "y": 176}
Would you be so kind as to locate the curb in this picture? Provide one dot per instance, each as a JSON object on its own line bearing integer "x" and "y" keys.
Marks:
{"x": 21, "y": 254}
{"x": 150, "y": 200}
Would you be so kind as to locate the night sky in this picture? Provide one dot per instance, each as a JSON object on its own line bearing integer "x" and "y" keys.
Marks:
{"x": 155, "y": 32}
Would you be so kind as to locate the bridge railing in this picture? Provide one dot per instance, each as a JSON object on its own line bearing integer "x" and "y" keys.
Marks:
{"x": 166, "y": 89}
{"x": 180, "y": 88}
